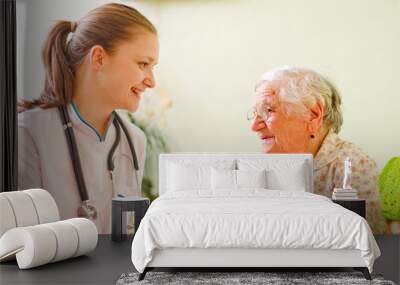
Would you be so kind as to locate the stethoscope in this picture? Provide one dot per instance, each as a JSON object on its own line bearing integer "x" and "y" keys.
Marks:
{"x": 86, "y": 209}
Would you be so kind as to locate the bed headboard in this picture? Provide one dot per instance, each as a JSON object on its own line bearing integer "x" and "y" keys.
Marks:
{"x": 236, "y": 158}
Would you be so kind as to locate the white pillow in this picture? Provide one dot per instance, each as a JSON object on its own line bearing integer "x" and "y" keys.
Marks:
{"x": 237, "y": 179}
{"x": 189, "y": 174}
{"x": 251, "y": 178}
{"x": 281, "y": 174}
{"x": 182, "y": 177}
{"x": 292, "y": 179}
{"x": 223, "y": 179}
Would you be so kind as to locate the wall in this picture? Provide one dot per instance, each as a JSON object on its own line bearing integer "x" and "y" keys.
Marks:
{"x": 212, "y": 53}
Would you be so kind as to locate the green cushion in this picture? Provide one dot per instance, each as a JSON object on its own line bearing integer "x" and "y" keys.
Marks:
{"x": 389, "y": 187}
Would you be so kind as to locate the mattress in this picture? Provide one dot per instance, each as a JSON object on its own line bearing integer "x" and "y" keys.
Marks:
{"x": 250, "y": 219}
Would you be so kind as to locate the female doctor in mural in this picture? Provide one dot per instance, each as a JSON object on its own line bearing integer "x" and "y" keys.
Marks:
{"x": 72, "y": 142}
{"x": 298, "y": 111}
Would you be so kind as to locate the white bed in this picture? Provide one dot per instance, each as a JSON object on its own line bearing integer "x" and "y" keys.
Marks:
{"x": 247, "y": 210}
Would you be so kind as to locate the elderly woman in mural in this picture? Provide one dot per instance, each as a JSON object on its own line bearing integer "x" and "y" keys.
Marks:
{"x": 298, "y": 111}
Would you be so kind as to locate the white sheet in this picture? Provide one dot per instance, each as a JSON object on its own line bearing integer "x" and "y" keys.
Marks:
{"x": 252, "y": 218}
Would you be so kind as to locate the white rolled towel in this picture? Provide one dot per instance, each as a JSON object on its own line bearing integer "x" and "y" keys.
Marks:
{"x": 7, "y": 218}
{"x": 45, "y": 205}
{"x": 40, "y": 244}
{"x": 26, "y": 208}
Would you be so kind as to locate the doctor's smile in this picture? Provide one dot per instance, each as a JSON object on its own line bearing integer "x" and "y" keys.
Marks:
{"x": 136, "y": 92}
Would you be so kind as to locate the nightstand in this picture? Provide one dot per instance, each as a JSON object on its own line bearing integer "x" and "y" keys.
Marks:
{"x": 121, "y": 205}
{"x": 356, "y": 205}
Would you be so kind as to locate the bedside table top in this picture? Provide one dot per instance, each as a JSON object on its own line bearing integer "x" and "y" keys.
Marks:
{"x": 130, "y": 198}
{"x": 348, "y": 200}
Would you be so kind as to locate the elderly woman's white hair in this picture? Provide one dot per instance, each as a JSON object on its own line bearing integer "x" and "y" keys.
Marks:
{"x": 304, "y": 87}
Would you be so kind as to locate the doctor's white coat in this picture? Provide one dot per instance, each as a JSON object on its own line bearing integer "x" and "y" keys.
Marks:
{"x": 44, "y": 161}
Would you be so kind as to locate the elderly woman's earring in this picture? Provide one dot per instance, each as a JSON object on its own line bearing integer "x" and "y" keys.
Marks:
{"x": 312, "y": 136}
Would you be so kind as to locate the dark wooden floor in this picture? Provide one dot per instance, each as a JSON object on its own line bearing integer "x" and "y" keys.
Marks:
{"x": 389, "y": 262}
{"x": 106, "y": 264}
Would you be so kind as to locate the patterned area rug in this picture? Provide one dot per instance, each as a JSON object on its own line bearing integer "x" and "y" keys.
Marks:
{"x": 229, "y": 278}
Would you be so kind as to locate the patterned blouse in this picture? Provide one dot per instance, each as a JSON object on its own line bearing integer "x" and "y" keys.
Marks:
{"x": 329, "y": 172}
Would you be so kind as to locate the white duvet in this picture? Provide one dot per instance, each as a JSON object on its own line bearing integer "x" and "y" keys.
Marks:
{"x": 250, "y": 218}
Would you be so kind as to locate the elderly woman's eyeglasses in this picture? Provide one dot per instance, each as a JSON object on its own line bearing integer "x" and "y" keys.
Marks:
{"x": 264, "y": 112}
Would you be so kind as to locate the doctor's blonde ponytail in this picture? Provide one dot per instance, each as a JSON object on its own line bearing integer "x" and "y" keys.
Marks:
{"x": 68, "y": 43}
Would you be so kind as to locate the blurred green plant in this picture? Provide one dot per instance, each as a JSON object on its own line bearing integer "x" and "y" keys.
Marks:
{"x": 156, "y": 144}
{"x": 389, "y": 188}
